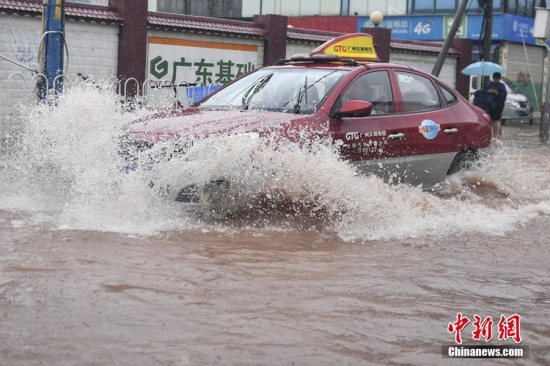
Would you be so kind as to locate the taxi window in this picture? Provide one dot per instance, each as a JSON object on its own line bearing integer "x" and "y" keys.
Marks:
{"x": 417, "y": 92}
{"x": 373, "y": 87}
{"x": 278, "y": 89}
{"x": 449, "y": 97}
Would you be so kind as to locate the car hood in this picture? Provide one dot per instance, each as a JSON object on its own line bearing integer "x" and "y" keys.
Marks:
{"x": 195, "y": 123}
{"x": 516, "y": 97}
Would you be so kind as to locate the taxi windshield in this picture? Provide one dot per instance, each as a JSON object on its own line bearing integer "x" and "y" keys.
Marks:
{"x": 287, "y": 90}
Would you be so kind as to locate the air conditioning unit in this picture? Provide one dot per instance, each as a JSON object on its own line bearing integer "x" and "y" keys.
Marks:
{"x": 541, "y": 28}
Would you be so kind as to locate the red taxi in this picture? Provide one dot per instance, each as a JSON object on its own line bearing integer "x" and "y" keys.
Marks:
{"x": 391, "y": 120}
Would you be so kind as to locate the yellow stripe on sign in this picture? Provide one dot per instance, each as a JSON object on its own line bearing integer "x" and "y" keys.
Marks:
{"x": 57, "y": 14}
{"x": 203, "y": 44}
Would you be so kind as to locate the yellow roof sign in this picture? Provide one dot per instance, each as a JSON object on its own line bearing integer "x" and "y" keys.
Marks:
{"x": 357, "y": 46}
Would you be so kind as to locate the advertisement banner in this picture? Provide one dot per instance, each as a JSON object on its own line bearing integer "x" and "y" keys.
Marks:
{"x": 520, "y": 29}
{"x": 507, "y": 27}
{"x": 475, "y": 25}
{"x": 422, "y": 28}
{"x": 198, "y": 62}
{"x": 462, "y": 31}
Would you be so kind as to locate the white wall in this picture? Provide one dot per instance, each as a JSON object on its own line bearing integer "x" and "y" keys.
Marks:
{"x": 296, "y": 48}
{"x": 426, "y": 63}
{"x": 92, "y": 50}
{"x": 19, "y": 38}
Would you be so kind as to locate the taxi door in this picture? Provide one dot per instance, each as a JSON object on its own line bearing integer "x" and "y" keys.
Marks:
{"x": 371, "y": 143}
{"x": 431, "y": 129}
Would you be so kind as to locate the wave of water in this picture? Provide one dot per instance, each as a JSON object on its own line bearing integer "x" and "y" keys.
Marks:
{"x": 65, "y": 172}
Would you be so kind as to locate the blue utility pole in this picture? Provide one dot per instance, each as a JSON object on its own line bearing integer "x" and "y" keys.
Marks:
{"x": 51, "y": 47}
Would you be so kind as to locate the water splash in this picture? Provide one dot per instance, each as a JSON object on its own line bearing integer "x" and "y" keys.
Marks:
{"x": 66, "y": 170}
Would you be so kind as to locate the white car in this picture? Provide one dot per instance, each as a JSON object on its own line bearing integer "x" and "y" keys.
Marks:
{"x": 516, "y": 107}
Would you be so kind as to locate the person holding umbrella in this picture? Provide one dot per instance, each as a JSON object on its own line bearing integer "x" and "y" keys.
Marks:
{"x": 493, "y": 97}
{"x": 497, "y": 90}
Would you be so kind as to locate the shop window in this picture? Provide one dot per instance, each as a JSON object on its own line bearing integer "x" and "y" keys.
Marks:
{"x": 387, "y": 7}
{"x": 91, "y": 2}
{"x": 397, "y": 7}
{"x": 173, "y": 6}
{"x": 423, "y": 6}
{"x": 311, "y": 7}
{"x": 521, "y": 7}
{"x": 445, "y": 5}
{"x": 208, "y": 8}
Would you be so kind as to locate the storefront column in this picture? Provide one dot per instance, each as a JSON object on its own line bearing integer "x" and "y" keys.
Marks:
{"x": 382, "y": 40}
{"x": 463, "y": 81}
{"x": 274, "y": 34}
{"x": 132, "y": 43}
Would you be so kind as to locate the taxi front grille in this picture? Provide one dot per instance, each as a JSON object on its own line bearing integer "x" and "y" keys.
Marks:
{"x": 130, "y": 150}
{"x": 149, "y": 152}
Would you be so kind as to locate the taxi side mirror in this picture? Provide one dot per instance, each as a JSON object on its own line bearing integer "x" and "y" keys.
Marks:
{"x": 355, "y": 108}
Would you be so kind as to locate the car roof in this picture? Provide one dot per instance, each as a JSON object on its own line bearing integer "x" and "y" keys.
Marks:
{"x": 346, "y": 52}
{"x": 339, "y": 65}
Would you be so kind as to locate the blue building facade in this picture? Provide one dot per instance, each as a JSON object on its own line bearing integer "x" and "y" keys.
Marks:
{"x": 523, "y": 56}
{"x": 506, "y": 27}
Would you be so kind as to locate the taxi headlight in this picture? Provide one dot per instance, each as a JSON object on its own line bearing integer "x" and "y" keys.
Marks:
{"x": 252, "y": 135}
{"x": 513, "y": 103}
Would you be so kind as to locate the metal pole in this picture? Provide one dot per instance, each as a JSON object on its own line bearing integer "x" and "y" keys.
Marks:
{"x": 542, "y": 31}
{"x": 51, "y": 46}
{"x": 488, "y": 36}
{"x": 545, "y": 120}
{"x": 447, "y": 44}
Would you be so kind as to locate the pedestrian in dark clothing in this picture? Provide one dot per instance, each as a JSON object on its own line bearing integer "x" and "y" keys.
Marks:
{"x": 497, "y": 90}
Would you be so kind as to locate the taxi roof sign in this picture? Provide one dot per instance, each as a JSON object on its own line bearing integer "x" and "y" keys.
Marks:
{"x": 356, "y": 46}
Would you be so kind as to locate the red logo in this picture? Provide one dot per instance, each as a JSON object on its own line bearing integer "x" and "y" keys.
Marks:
{"x": 457, "y": 327}
{"x": 509, "y": 328}
{"x": 483, "y": 328}
{"x": 340, "y": 48}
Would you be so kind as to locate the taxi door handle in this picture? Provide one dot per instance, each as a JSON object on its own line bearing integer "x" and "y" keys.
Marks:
{"x": 395, "y": 136}
{"x": 450, "y": 131}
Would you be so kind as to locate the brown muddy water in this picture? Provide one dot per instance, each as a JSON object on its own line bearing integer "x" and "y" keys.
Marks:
{"x": 90, "y": 276}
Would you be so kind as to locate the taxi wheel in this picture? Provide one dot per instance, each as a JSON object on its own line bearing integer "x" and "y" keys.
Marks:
{"x": 463, "y": 161}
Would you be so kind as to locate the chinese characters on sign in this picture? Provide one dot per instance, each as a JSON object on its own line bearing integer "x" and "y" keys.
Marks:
{"x": 204, "y": 63}
{"x": 508, "y": 327}
{"x": 397, "y": 26}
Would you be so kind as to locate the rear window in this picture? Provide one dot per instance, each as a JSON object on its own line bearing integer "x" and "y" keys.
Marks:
{"x": 449, "y": 97}
{"x": 417, "y": 92}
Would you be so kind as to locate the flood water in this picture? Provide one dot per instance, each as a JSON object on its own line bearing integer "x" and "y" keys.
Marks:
{"x": 328, "y": 268}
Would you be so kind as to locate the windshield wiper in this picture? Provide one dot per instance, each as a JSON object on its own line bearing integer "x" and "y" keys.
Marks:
{"x": 254, "y": 89}
{"x": 301, "y": 93}
{"x": 303, "y": 90}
